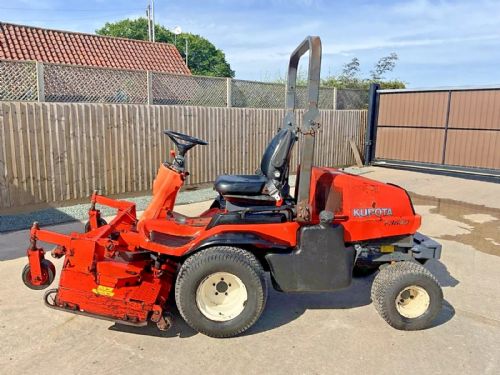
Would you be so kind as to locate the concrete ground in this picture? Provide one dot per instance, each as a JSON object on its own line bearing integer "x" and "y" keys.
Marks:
{"x": 322, "y": 333}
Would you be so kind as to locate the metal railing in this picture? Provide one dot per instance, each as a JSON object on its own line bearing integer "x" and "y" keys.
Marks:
{"x": 47, "y": 82}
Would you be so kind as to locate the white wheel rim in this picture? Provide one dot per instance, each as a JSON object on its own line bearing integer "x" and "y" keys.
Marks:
{"x": 221, "y": 296}
{"x": 412, "y": 302}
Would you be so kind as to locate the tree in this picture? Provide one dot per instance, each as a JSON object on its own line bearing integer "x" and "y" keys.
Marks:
{"x": 349, "y": 76}
{"x": 350, "y": 70}
{"x": 385, "y": 64}
{"x": 204, "y": 58}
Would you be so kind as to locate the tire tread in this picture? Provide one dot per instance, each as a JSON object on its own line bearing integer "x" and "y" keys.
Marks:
{"x": 387, "y": 277}
{"x": 220, "y": 254}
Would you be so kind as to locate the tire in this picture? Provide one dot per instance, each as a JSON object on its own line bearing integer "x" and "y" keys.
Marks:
{"x": 100, "y": 223}
{"x": 407, "y": 296}
{"x": 201, "y": 272}
{"x": 48, "y": 272}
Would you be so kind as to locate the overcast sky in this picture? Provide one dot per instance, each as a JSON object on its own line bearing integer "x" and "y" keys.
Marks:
{"x": 439, "y": 42}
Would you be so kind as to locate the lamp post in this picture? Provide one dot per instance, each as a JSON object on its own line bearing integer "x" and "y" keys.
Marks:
{"x": 153, "y": 20}
{"x": 150, "y": 14}
{"x": 177, "y": 31}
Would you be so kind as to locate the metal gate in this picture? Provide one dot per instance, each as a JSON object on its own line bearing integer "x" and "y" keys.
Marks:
{"x": 454, "y": 129}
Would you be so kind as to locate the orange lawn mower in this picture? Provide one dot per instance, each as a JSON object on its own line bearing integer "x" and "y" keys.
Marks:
{"x": 215, "y": 264}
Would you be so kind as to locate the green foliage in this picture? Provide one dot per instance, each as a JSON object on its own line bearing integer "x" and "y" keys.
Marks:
{"x": 358, "y": 83}
{"x": 351, "y": 69}
{"x": 349, "y": 76}
{"x": 385, "y": 64}
{"x": 203, "y": 57}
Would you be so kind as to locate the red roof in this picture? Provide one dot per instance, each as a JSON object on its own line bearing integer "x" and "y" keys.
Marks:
{"x": 32, "y": 43}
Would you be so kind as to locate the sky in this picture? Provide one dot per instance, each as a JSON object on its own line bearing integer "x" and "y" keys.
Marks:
{"x": 439, "y": 42}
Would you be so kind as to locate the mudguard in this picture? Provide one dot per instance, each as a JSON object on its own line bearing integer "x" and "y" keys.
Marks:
{"x": 238, "y": 239}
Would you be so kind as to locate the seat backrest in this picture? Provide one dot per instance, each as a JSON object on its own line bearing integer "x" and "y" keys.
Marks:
{"x": 274, "y": 164}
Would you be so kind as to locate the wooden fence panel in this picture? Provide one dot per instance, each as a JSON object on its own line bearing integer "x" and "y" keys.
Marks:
{"x": 53, "y": 152}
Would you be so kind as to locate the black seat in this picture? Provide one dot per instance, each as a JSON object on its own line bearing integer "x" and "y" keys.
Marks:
{"x": 240, "y": 184}
{"x": 273, "y": 169}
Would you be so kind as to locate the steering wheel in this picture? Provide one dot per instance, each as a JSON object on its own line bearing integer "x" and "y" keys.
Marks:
{"x": 183, "y": 143}
{"x": 175, "y": 137}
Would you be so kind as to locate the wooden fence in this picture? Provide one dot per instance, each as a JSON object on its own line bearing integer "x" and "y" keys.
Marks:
{"x": 53, "y": 152}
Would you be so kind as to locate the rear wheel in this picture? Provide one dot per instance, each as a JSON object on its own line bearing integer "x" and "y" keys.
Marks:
{"x": 221, "y": 291}
{"x": 407, "y": 296}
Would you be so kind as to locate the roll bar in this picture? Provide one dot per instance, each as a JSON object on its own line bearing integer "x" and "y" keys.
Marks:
{"x": 310, "y": 119}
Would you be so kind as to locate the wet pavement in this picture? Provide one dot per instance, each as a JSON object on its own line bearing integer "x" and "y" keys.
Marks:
{"x": 319, "y": 333}
{"x": 474, "y": 225}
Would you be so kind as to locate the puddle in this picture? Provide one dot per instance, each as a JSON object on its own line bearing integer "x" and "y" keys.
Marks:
{"x": 470, "y": 224}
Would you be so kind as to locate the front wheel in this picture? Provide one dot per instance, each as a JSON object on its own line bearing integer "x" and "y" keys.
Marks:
{"x": 221, "y": 291}
{"x": 100, "y": 223}
{"x": 407, "y": 296}
{"x": 48, "y": 275}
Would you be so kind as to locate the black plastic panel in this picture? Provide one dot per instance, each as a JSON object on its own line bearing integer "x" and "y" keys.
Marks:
{"x": 234, "y": 218}
{"x": 322, "y": 262}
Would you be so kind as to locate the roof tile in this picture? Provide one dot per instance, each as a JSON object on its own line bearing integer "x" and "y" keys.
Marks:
{"x": 31, "y": 43}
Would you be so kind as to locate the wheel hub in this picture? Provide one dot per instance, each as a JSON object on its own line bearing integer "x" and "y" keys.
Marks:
{"x": 221, "y": 296}
{"x": 412, "y": 302}
{"x": 221, "y": 287}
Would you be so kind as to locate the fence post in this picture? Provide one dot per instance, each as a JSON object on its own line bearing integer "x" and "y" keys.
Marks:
{"x": 40, "y": 82}
{"x": 149, "y": 79}
{"x": 229, "y": 93}
{"x": 371, "y": 130}
{"x": 334, "y": 98}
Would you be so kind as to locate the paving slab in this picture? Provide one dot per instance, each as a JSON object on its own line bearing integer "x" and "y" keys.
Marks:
{"x": 321, "y": 333}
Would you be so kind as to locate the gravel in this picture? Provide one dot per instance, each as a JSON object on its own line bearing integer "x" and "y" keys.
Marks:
{"x": 79, "y": 212}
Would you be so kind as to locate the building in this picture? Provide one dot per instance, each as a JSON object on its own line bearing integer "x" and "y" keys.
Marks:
{"x": 19, "y": 42}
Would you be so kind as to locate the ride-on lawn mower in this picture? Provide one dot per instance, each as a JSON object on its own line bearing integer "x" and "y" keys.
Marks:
{"x": 216, "y": 264}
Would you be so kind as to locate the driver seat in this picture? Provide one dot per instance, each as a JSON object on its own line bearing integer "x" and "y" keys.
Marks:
{"x": 271, "y": 179}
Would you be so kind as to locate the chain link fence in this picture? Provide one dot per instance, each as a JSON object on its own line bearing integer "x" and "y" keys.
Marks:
{"x": 31, "y": 81}
{"x": 18, "y": 81}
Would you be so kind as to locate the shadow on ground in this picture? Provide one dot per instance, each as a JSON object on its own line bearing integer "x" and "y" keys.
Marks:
{"x": 283, "y": 308}
{"x": 48, "y": 216}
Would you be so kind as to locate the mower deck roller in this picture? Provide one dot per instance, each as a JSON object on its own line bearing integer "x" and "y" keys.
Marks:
{"x": 216, "y": 263}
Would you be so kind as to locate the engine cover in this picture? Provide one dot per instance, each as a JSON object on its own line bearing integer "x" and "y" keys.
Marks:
{"x": 367, "y": 209}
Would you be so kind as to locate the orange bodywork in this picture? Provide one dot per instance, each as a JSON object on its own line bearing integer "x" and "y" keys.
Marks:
{"x": 105, "y": 273}
{"x": 362, "y": 205}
